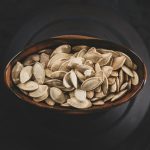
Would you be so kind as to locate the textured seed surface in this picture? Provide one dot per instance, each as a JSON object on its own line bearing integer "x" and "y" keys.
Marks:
{"x": 91, "y": 83}
{"x": 76, "y": 76}
{"x": 50, "y": 102}
{"x": 41, "y": 98}
{"x": 39, "y": 92}
{"x": 25, "y": 74}
{"x": 57, "y": 95}
{"x": 99, "y": 102}
{"x": 80, "y": 94}
{"x": 117, "y": 96}
{"x": 118, "y": 62}
{"x": 28, "y": 86}
{"x": 16, "y": 72}
{"x": 135, "y": 79}
{"x": 79, "y": 104}
{"x": 39, "y": 73}
{"x": 127, "y": 71}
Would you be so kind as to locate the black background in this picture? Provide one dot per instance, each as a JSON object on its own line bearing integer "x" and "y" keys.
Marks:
{"x": 13, "y": 15}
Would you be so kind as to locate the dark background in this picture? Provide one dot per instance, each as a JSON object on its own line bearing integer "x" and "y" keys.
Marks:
{"x": 13, "y": 15}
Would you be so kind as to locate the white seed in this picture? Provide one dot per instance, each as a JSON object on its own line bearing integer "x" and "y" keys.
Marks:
{"x": 49, "y": 101}
{"x": 107, "y": 70}
{"x": 80, "y": 94}
{"x": 25, "y": 74}
{"x": 28, "y": 86}
{"x": 73, "y": 79}
{"x": 135, "y": 79}
{"x": 127, "y": 71}
{"x": 41, "y": 98}
{"x": 99, "y": 102}
{"x": 57, "y": 95}
{"x": 39, "y": 72}
{"x": 118, "y": 62}
{"x": 16, "y": 72}
{"x": 62, "y": 49}
{"x": 118, "y": 95}
{"x": 39, "y": 92}
{"x": 79, "y": 104}
{"x": 123, "y": 86}
{"x": 108, "y": 98}
{"x": 91, "y": 83}
{"x": 113, "y": 88}
{"x": 90, "y": 94}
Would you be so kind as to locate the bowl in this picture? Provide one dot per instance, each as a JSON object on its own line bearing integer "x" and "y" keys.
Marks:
{"x": 76, "y": 40}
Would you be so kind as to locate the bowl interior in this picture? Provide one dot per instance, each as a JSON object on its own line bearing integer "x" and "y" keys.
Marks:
{"x": 76, "y": 40}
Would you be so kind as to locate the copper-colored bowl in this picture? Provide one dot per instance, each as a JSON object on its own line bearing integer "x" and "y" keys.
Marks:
{"x": 76, "y": 40}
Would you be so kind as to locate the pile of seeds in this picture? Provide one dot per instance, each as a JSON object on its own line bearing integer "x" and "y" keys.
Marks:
{"x": 78, "y": 76}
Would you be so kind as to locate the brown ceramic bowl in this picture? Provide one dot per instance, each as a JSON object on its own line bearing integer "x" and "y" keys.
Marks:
{"x": 76, "y": 40}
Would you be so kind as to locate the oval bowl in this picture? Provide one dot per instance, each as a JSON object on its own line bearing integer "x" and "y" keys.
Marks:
{"x": 76, "y": 40}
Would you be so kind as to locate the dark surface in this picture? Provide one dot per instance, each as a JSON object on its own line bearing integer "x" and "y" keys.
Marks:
{"x": 20, "y": 122}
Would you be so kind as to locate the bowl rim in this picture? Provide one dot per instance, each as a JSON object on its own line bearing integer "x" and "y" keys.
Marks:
{"x": 70, "y": 110}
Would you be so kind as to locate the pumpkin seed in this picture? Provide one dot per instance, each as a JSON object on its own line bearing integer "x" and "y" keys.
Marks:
{"x": 30, "y": 60}
{"x": 97, "y": 68}
{"x": 118, "y": 84}
{"x": 108, "y": 98}
{"x": 49, "y": 101}
{"x": 135, "y": 79}
{"x": 65, "y": 105}
{"x": 118, "y": 62}
{"x": 39, "y": 92}
{"x": 41, "y": 98}
{"x": 114, "y": 73}
{"x": 104, "y": 51}
{"x": 48, "y": 72}
{"x": 79, "y": 104}
{"x": 57, "y": 95}
{"x": 44, "y": 59}
{"x": 64, "y": 66}
{"x": 66, "y": 80}
{"x": 107, "y": 70}
{"x": 99, "y": 102}
{"x": 105, "y": 85}
{"x": 113, "y": 88}
{"x": 75, "y": 61}
{"x": 80, "y": 76}
{"x": 89, "y": 63}
{"x": 57, "y": 75}
{"x": 39, "y": 72}
{"x": 73, "y": 79}
{"x": 62, "y": 49}
{"x": 100, "y": 95}
{"x": 80, "y": 94}
{"x": 111, "y": 80}
{"x": 81, "y": 53}
{"x": 91, "y": 83}
{"x": 90, "y": 94}
{"x": 118, "y": 95}
{"x": 57, "y": 57}
{"x": 16, "y": 72}
{"x": 98, "y": 89}
{"x": 25, "y": 74}
{"x": 55, "y": 83}
{"x": 105, "y": 59}
{"x": 28, "y": 86}
{"x": 123, "y": 86}
{"x": 127, "y": 71}
{"x": 79, "y": 48}
{"x": 121, "y": 77}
